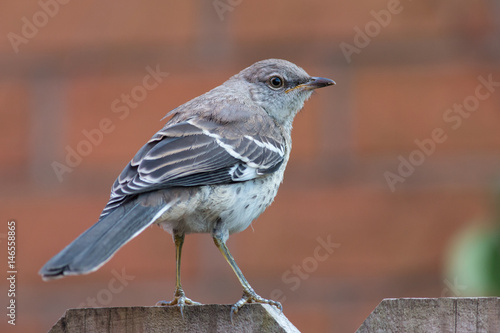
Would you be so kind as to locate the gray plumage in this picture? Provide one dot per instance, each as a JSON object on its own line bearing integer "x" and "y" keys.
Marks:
{"x": 213, "y": 168}
{"x": 96, "y": 245}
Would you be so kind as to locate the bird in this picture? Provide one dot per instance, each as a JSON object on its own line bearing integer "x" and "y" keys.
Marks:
{"x": 213, "y": 168}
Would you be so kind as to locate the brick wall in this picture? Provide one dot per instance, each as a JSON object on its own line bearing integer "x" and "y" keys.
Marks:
{"x": 397, "y": 82}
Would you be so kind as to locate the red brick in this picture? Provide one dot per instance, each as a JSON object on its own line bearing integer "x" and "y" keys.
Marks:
{"x": 78, "y": 24}
{"x": 15, "y": 124}
{"x": 395, "y": 106}
{"x": 82, "y": 23}
{"x": 257, "y": 21}
{"x": 310, "y": 317}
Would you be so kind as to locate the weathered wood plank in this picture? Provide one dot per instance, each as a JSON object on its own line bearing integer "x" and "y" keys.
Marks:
{"x": 429, "y": 315}
{"x": 198, "y": 318}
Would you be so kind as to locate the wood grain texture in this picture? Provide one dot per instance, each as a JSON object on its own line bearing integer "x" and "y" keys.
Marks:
{"x": 198, "y": 318}
{"x": 429, "y": 315}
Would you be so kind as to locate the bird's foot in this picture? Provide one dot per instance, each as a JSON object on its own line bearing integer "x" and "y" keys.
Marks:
{"x": 249, "y": 296}
{"x": 180, "y": 300}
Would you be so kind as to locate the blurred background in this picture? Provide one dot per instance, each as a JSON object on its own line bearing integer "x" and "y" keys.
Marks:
{"x": 391, "y": 190}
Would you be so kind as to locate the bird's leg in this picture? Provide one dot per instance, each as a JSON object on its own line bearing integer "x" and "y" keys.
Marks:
{"x": 180, "y": 298}
{"x": 249, "y": 295}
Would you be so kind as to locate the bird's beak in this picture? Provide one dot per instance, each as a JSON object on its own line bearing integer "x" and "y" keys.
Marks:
{"x": 313, "y": 83}
{"x": 317, "y": 82}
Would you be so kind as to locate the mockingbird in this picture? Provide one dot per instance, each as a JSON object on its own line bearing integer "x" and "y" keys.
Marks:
{"x": 213, "y": 168}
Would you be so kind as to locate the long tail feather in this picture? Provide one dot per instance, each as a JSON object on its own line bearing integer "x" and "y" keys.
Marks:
{"x": 96, "y": 246}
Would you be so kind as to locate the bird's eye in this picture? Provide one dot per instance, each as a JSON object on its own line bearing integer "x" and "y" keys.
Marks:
{"x": 275, "y": 82}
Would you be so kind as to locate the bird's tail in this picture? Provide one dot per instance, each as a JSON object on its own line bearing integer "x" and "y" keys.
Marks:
{"x": 96, "y": 246}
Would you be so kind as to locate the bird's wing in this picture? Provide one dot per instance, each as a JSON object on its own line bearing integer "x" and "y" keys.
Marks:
{"x": 201, "y": 151}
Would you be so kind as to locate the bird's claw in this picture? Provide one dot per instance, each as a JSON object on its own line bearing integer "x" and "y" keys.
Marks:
{"x": 249, "y": 296}
{"x": 180, "y": 300}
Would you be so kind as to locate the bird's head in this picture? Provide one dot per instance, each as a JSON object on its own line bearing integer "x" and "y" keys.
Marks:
{"x": 280, "y": 87}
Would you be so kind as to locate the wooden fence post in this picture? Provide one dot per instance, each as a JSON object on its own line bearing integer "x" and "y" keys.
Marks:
{"x": 197, "y": 318}
{"x": 434, "y": 315}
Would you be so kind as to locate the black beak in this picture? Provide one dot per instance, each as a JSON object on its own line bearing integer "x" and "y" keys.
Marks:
{"x": 313, "y": 83}
{"x": 317, "y": 82}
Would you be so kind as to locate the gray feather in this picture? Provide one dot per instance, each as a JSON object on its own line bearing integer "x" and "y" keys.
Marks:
{"x": 200, "y": 151}
{"x": 98, "y": 244}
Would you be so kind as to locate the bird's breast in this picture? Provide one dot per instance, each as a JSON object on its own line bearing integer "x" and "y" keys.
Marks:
{"x": 231, "y": 207}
